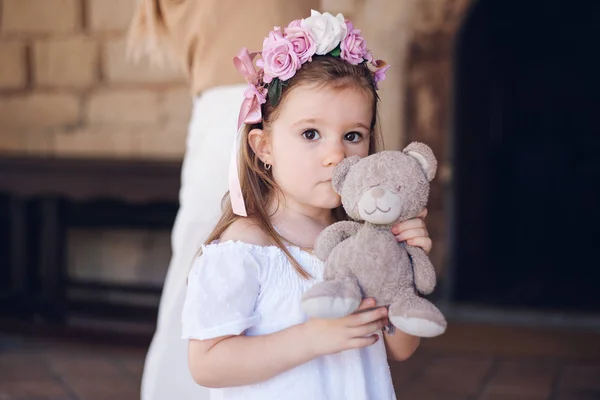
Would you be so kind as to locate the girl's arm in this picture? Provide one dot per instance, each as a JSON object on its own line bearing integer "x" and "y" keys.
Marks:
{"x": 400, "y": 346}
{"x": 414, "y": 232}
{"x": 243, "y": 360}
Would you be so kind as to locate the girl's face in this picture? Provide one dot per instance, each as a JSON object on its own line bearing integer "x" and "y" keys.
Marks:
{"x": 317, "y": 127}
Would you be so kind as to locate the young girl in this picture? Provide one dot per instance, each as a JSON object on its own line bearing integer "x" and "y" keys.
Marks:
{"x": 311, "y": 103}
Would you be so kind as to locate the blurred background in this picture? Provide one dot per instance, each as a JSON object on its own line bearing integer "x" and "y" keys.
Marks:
{"x": 506, "y": 93}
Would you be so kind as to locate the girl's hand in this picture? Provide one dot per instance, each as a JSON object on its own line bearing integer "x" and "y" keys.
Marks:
{"x": 329, "y": 336}
{"x": 414, "y": 232}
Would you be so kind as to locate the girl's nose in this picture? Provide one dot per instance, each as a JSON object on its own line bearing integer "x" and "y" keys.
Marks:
{"x": 335, "y": 154}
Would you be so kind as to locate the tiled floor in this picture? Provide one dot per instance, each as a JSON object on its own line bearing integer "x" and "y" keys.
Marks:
{"x": 31, "y": 369}
{"x": 470, "y": 362}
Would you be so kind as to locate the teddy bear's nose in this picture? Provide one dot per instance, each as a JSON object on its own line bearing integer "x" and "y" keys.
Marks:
{"x": 377, "y": 192}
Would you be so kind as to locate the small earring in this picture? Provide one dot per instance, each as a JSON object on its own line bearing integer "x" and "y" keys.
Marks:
{"x": 267, "y": 166}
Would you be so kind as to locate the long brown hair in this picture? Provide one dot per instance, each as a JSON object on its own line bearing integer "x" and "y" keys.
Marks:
{"x": 257, "y": 182}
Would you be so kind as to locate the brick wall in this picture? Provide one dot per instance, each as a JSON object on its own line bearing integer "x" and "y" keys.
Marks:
{"x": 67, "y": 88}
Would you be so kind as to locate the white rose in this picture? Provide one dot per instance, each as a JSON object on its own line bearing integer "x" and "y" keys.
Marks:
{"x": 327, "y": 30}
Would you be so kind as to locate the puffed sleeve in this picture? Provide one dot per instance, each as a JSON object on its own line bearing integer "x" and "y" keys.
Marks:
{"x": 222, "y": 291}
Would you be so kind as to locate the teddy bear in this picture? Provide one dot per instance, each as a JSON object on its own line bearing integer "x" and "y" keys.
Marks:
{"x": 362, "y": 257}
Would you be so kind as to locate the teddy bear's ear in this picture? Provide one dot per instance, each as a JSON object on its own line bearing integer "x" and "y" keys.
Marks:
{"x": 340, "y": 172}
{"x": 424, "y": 156}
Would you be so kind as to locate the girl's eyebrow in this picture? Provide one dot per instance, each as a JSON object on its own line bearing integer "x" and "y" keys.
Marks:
{"x": 306, "y": 121}
{"x": 360, "y": 124}
{"x": 312, "y": 121}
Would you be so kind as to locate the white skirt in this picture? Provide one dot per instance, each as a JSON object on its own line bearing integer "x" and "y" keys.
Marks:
{"x": 204, "y": 178}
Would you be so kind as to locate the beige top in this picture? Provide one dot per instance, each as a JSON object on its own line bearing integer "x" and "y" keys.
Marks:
{"x": 206, "y": 34}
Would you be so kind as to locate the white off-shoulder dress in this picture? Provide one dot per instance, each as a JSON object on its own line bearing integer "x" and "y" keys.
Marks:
{"x": 235, "y": 288}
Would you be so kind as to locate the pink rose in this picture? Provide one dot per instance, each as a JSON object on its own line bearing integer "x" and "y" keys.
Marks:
{"x": 295, "y": 23}
{"x": 380, "y": 68}
{"x": 279, "y": 58}
{"x": 302, "y": 41}
{"x": 353, "y": 47}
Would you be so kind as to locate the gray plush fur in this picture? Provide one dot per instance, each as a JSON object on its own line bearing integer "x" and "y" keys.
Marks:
{"x": 363, "y": 258}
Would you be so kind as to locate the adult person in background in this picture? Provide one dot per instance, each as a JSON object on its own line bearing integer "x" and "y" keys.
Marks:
{"x": 202, "y": 36}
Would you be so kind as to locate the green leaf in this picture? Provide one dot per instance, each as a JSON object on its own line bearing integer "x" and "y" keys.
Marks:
{"x": 336, "y": 52}
{"x": 274, "y": 91}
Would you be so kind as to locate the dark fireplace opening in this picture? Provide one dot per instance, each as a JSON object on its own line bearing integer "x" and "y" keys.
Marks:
{"x": 85, "y": 242}
{"x": 19, "y": 232}
{"x": 526, "y": 151}
{"x": 5, "y": 272}
{"x": 116, "y": 256}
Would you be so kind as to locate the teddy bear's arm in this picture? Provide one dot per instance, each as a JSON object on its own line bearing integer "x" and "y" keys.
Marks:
{"x": 333, "y": 235}
{"x": 424, "y": 273}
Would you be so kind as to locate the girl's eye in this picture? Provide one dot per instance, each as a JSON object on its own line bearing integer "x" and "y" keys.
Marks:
{"x": 311, "y": 134}
{"x": 353, "y": 136}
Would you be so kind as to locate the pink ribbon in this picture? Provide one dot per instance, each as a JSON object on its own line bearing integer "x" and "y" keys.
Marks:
{"x": 254, "y": 95}
{"x": 235, "y": 188}
{"x": 250, "y": 113}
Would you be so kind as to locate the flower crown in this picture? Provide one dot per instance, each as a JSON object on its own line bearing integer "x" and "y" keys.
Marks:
{"x": 285, "y": 50}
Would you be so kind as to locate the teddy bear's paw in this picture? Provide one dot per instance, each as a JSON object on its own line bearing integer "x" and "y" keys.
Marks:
{"x": 329, "y": 307}
{"x": 417, "y": 326}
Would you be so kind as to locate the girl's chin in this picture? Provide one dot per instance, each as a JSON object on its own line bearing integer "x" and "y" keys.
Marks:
{"x": 331, "y": 201}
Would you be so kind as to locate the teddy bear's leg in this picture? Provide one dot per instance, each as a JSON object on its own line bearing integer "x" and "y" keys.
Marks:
{"x": 417, "y": 316}
{"x": 332, "y": 298}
